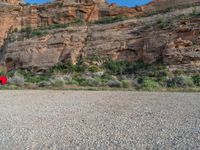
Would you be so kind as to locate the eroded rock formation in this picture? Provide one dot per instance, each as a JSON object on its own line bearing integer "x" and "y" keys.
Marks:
{"x": 14, "y": 15}
{"x": 11, "y": 1}
{"x": 9, "y": 19}
{"x": 166, "y": 38}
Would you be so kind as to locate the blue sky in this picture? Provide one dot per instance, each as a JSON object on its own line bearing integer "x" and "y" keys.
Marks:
{"x": 129, "y": 3}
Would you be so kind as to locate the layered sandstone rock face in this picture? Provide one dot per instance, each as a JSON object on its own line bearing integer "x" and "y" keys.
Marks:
{"x": 167, "y": 38}
{"x": 65, "y": 11}
{"x": 46, "y": 51}
{"x": 129, "y": 40}
{"x": 184, "y": 51}
{"x": 17, "y": 16}
{"x": 9, "y": 19}
{"x": 10, "y": 1}
{"x": 163, "y": 4}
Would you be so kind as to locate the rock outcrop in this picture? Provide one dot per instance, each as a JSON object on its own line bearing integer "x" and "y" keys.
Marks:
{"x": 157, "y": 5}
{"x": 9, "y": 18}
{"x": 46, "y": 51}
{"x": 15, "y": 15}
{"x": 169, "y": 38}
{"x": 60, "y": 12}
{"x": 10, "y": 1}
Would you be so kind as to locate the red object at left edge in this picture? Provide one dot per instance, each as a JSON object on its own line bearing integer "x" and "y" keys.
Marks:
{"x": 3, "y": 80}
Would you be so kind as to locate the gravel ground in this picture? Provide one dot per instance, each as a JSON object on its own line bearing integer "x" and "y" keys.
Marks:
{"x": 99, "y": 120}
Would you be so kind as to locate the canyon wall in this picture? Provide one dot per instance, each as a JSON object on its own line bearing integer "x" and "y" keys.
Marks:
{"x": 15, "y": 15}
{"x": 10, "y": 1}
{"x": 132, "y": 40}
{"x": 9, "y": 19}
{"x": 165, "y": 38}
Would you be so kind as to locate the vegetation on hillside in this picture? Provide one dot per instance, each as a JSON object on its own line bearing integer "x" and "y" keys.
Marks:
{"x": 30, "y": 32}
{"x": 172, "y": 8}
{"x": 111, "y": 19}
{"x": 94, "y": 71}
{"x": 109, "y": 74}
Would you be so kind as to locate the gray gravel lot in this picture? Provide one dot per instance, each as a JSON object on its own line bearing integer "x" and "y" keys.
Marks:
{"x": 99, "y": 120}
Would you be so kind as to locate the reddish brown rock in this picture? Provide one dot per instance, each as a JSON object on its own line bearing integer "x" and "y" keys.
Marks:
{"x": 125, "y": 40}
{"x": 10, "y": 1}
{"x": 9, "y": 19}
{"x": 176, "y": 44}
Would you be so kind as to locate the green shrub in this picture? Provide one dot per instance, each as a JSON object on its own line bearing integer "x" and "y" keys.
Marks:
{"x": 58, "y": 83}
{"x": 63, "y": 67}
{"x": 15, "y": 30}
{"x": 162, "y": 23}
{"x": 194, "y": 11}
{"x": 124, "y": 67}
{"x": 38, "y": 33}
{"x": 29, "y": 76}
{"x": 2, "y": 70}
{"x": 89, "y": 81}
{"x": 94, "y": 69}
{"x": 44, "y": 84}
{"x": 180, "y": 81}
{"x": 114, "y": 84}
{"x": 36, "y": 79}
{"x": 159, "y": 73}
{"x": 78, "y": 21}
{"x": 107, "y": 20}
{"x": 55, "y": 26}
{"x": 148, "y": 84}
{"x": 115, "y": 67}
{"x": 106, "y": 76}
{"x": 133, "y": 67}
{"x": 27, "y": 31}
{"x": 94, "y": 82}
{"x": 68, "y": 67}
{"x": 94, "y": 58}
{"x": 17, "y": 79}
{"x": 43, "y": 30}
{"x": 196, "y": 80}
{"x": 80, "y": 67}
{"x": 80, "y": 80}
{"x": 72, "y": 82}
{"x": 10, "y": 73}
{"x": 126, "y": 84}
